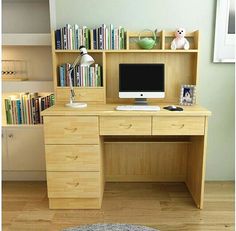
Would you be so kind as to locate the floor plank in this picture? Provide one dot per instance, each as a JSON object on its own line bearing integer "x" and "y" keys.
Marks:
{"x": 165, "y": 206}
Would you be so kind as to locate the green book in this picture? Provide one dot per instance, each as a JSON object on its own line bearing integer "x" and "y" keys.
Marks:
{"x": 8, "y": 111}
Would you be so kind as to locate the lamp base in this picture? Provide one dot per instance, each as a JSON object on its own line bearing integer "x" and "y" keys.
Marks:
{"x": 76, "y": 105}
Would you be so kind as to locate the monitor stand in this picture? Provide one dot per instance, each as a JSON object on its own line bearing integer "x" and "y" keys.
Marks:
{"x": 140, "y": 101}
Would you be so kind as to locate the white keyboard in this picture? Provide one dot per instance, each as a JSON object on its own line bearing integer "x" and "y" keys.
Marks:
{"x": 137, "y": 108}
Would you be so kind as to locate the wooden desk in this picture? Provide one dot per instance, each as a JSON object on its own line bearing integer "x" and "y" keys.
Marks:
{"x": 87, "y": 147}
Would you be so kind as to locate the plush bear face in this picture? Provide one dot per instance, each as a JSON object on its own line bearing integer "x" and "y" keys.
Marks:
{"x": 180, "y": 33}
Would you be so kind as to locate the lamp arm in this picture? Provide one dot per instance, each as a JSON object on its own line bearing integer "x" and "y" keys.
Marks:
{"x": 72, "y": 91}
{"x": 77, "y": 60}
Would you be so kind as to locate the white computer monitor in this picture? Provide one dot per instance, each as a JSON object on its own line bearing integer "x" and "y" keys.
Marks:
{"x": 141, "y": 81}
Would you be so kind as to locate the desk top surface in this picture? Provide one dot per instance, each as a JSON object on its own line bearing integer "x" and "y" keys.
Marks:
{"x": 109, "y": 110}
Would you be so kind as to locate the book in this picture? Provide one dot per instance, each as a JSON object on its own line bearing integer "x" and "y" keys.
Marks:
{"x": 25, "y": 108}
{"x": 58, "y": 39}
{"x": 8, "y": 109}
{"x": 103, "y": 37}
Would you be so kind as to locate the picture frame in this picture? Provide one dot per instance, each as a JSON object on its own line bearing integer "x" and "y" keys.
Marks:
{"x": 187, "y": 95}
{"x": 224, "y": 45}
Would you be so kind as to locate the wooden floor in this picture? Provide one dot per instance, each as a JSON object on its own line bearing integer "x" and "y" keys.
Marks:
{"x": 158, "y": 205}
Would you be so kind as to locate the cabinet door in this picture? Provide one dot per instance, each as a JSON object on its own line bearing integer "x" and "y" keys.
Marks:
{"x": 26, "y": 148}
{"x": 5, "y": 165}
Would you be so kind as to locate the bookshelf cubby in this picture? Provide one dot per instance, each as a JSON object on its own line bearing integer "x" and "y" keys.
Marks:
{"x": 180, "y": 67}
{"x": 26, "y": 37}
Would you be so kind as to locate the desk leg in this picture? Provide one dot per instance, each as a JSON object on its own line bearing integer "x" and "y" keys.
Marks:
{"x": 102, "y": 169}
{"x": 195, "y": 179}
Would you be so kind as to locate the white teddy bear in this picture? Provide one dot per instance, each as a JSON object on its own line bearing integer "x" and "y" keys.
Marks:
{"x": 180, "y": 41}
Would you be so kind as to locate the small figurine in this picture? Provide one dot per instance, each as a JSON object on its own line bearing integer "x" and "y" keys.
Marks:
{"x": 180, "y": 42}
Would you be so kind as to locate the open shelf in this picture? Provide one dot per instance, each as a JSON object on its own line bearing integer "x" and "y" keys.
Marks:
{"x": 12, "y": 78}
{"x": 130, "y": 51}
{"x": 180, "y": 64}
{"x": 26, "y": 86}
{"x": 4, "y": 125}
{"x": 31, "y": 39}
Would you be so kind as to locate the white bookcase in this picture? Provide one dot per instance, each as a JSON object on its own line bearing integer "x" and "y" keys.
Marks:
{"x": 25, "y": 36}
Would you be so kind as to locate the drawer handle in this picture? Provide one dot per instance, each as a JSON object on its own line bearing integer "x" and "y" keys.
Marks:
{"x": 74, "y": 184}
{"x": 72, "y": 157}
{"x": 180, "y": 126}
{"x": 127, "y": 126}
{"x": 71, "y": 129}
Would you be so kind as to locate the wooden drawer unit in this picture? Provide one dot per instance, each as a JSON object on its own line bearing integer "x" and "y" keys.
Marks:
{"x": 73, "y": 184}
{"x": 81, "y": 94}
{"x": 73, "y": 157}
{"x": 178, "y": 125}
{"x": 71, "y": 129}
{"x": 122, "y": 125}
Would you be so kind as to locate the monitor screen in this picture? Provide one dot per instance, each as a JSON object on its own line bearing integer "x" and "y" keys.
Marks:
{"x": 141, "y": 77}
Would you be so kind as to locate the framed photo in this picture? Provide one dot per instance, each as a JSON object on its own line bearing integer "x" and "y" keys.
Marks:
{"x": 187, "y": 95}
{"x": 224, "y": 47}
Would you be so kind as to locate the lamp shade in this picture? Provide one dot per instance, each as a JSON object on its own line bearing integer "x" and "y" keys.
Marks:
{"x": 86, "y": 60}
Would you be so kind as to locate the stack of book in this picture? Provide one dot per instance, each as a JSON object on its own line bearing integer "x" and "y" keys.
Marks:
{"x": 72, "y": 37}
{"x": 101, "y": 38}
{"x": 81, "y": 76}
{"x": 107, "y": 38}
{"x": 27, "y": 107}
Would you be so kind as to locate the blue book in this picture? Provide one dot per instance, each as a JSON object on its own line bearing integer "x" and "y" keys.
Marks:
{"x": 18, "y": 109}
{"x": 112, "y": 39}
{"x": 94, "y": 39}
{"x": 58, "y": 39}
{"x": 61, "y": 71}
{"x": 76, "y": 38}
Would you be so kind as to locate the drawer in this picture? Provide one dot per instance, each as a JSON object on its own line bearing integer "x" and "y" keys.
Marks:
{"x": 71, "y": 130}
{"x": 72, "y": 157}
{"x": 122, "y": 125}
{"x": 178, "y": 125}
{"x": 81, "y": 94}
{"x": 73, "y": 184}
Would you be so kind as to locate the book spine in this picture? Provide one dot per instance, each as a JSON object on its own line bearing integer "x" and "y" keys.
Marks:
{"x": 81, "y": 37}
{"x": 29, "y": 109}
{"x": 37, "y": 120}
{"x": 86, "y": 38}
{"x": 22, "y": 108}
{"x": 71, "y": 38}
{"x": 122, "y": 38}
{"x": 33, "y": 110}
{"x": 100, "y": 38}
{"x": 95, "y": 38}
{"x": 64, "y": 38}
{"x": 78, "y": 76}
{"x": 76, "y": 37}
{"x": 58, "y": 39}
{"x": 62, "y": 74}
{"x": 8, "y": 111}
{"x": 13, "y": 112}
{"x": 18, "y": 107}
{"x": 91, "y": 39}
{"x": 40, "y": 117}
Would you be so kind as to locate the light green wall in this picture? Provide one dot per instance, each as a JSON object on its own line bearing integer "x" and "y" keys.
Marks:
{"x": 216, "y": 89}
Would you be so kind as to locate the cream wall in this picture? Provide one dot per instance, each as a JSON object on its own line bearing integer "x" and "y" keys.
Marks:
{"x": 216, "y": 89}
